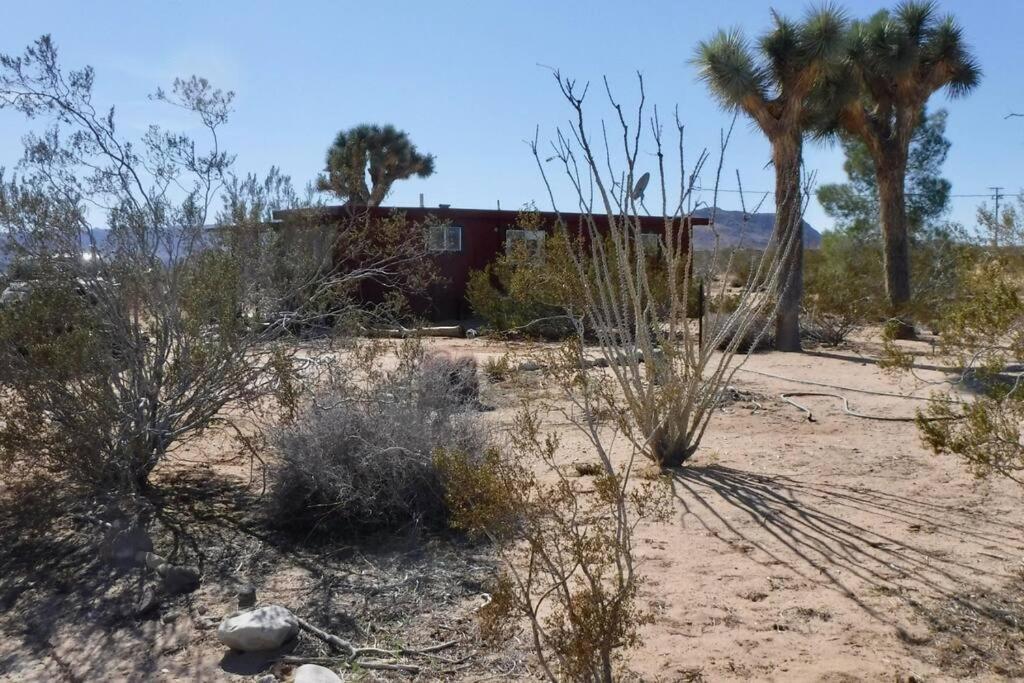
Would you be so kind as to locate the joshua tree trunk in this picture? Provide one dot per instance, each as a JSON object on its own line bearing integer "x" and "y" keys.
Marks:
{"x": 789, "y": 234}
{"x": 893, "y": 215}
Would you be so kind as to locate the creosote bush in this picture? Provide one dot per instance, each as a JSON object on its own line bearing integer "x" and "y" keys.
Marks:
{"x": 844, "y": 282}
{"x": 529, "y": 289}
{"x": 984, "y": 333}
{"x": 359, "y": 457}
{"x": 113, "y": 361}
{"x": 567, "y": 546}
{"x": 142, "y": 326}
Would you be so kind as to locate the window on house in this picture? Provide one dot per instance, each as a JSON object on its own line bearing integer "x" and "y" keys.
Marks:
{"x": 526, "y": 242}
{"x": 444, "y": 238}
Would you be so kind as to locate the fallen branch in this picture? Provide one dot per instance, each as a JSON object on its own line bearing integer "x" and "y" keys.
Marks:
{"x": 352, "y": 654}
{"x": 787, "y": 397}
{"x": 388, "y": 666}
{"x": 365, "y": 664}
{"x": 339, "y": 643}
{"x": 455, "y": 331}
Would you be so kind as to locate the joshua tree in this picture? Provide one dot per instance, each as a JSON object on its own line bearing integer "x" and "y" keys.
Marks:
{"x": 895, "y": 62}
{"x": 772, "y": 87}
{"x": 382, "y": 151}
{"x": 854, "y": 204}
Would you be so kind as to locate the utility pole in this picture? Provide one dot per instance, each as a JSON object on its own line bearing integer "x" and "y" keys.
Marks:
{"x": 996, "y": 224}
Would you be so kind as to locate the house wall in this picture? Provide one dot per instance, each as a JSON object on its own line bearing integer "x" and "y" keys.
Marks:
{"x": 483, "y": 239}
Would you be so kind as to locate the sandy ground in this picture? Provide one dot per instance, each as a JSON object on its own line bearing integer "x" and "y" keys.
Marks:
{"x": 838, "y": 549}
{"x": 833, "y": 550}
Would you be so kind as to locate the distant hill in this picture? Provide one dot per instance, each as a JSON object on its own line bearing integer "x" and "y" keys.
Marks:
{"x": 752, "y": 234}
{"x": 101, "y": 235}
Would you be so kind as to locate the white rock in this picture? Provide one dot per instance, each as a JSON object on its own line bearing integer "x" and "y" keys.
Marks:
{"x": 314, "y": 673}
{"x": 266, "y": 628}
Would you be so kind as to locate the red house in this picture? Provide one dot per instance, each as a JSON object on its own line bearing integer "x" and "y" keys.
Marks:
{"x": 465, "y": 240}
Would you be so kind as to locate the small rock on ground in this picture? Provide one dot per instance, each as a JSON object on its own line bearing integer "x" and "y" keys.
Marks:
{"x": 266, "y": 628}
{"x": 246, "y": 596}
{"x": 314, "y": 673}
{"x": 179, "y": 579}
{"x": 148, "y": 602}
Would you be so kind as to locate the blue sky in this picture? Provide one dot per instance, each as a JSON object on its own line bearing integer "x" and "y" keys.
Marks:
{"x": 463, "y": 79}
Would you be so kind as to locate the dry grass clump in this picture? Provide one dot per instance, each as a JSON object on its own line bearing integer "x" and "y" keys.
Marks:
{"x": 359, "y": 458}
{"x": 498, "y": 369}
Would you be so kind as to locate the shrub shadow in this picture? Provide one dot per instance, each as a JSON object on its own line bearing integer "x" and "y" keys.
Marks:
{"x": 809, "y": 529}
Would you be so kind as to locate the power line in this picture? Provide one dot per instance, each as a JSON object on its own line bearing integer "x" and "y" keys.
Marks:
{"x": 988, "y": 195}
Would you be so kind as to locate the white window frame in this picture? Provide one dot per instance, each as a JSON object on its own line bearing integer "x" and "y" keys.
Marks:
{"x": 444, "y": 238}
{"x": 533, "y": 239}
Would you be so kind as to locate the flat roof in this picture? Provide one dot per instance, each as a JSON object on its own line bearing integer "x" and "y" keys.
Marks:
{"x": 495, "y": 215}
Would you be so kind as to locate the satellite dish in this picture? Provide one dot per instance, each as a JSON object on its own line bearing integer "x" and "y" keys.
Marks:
{"x": 640, "y": 186}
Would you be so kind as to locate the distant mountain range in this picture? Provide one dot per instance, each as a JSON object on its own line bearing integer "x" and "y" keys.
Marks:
{"x": 733, "y": 231}
{"x": 100, "y": 235}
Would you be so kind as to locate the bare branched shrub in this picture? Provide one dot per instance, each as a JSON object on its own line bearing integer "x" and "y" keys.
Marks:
{"x": 830, "y": 328}
{"x": 572, "y": 578}
{"x": 671, "y": 397}
{"x": 359, "y": 457}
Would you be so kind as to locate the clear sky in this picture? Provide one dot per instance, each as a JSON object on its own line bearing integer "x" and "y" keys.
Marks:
{"x": 462, "y": 78}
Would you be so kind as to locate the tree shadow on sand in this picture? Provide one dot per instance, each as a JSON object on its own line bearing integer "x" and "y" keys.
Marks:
{"x": 809, "y": 528}
{"x": 51, "y": 576}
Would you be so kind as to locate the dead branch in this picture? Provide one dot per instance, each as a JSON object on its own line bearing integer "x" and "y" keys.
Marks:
{"x": 353, "y": 655}
{"x": 365, "y": 664}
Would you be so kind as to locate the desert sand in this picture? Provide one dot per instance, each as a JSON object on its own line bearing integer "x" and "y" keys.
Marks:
{"x": 837, "y": 549}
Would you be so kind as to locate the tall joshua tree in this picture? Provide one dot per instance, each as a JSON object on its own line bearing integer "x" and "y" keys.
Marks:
{"x": 383, "y": 152}
{"x": 896, "y": 61}
{"x": 772, "y": 85}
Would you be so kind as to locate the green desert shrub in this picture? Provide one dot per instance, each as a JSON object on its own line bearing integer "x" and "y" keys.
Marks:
{"x": 843, "y": 287}
{"x": 984, "y": 332}
{"x": 538, "y": 292}
{"x": 844, "y": 282}
{"x": 529, "y": 291}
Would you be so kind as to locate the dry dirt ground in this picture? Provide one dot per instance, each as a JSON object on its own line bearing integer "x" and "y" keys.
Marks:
{"x": 837, "y": 549}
